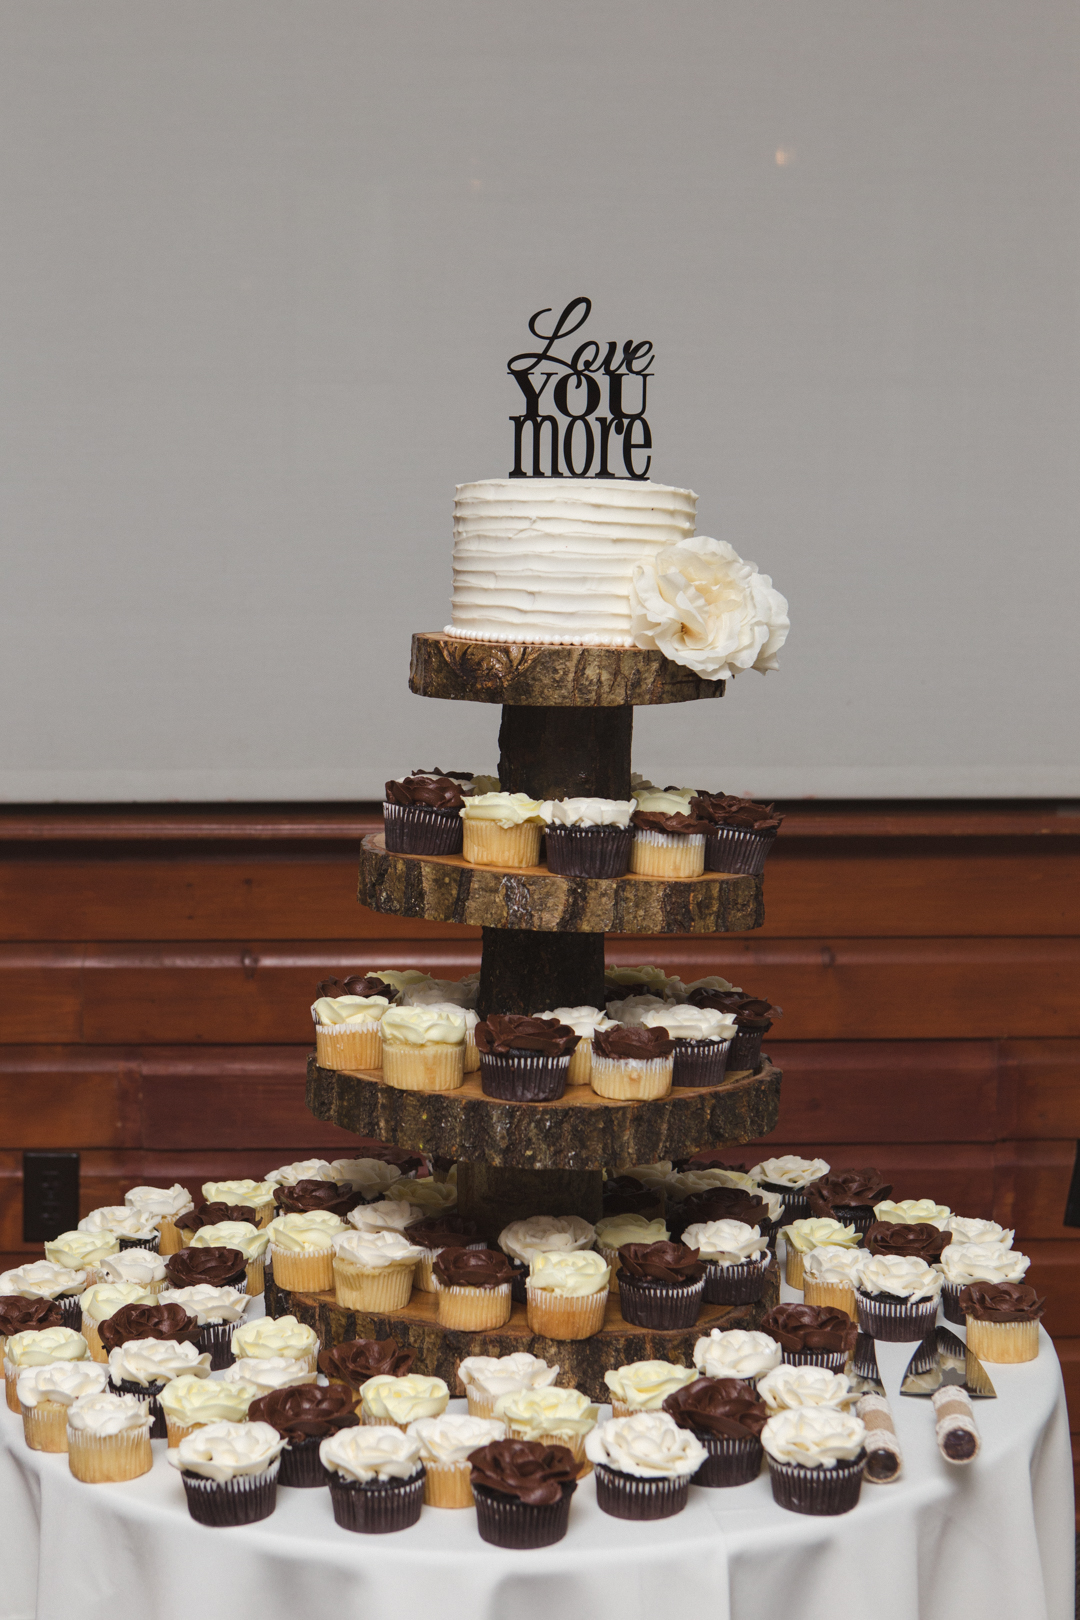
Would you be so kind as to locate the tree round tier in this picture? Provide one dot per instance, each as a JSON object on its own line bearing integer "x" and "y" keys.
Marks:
{"x": 446, "y": 888}
{"x": 534, "y": 674}
{"x": 582, "y": 1362}
{"x": 580, "y": 1131}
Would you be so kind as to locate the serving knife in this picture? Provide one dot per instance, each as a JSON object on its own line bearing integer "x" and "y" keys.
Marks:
{"x": 943, "y": 1359}
{"x": 863, "y": 1374}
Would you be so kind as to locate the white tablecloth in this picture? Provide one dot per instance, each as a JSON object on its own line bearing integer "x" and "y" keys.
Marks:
{"x": 993, "y": 1541}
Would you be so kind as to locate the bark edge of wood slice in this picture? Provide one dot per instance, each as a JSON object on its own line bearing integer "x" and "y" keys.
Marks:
{"x": 445, "y": 888}
{"x": 582, "y": 1362}
{"x": 579, "y": 1132}
{"x": 534, "y": 674}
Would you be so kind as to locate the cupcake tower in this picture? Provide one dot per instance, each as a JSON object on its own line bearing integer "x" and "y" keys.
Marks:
{"x": 566, "y": 732}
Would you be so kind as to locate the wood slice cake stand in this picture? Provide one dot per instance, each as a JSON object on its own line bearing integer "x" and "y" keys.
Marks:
{"x": 566, "y": 732}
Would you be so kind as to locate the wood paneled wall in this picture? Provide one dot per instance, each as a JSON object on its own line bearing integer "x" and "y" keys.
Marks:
{"x": 156, "y": 969}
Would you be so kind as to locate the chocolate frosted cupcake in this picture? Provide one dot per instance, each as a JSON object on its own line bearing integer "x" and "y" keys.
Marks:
{"x": 727, "y": 1417}
{"x": 588, "y": 837}
{"x": 816, "y": 1456}
{"x": 421, "y": 816}
{"x": 661, "y": 1285}
{"x": 923, "y": 1242}
{"x": 522, "y": 1491}
{"x": 356, "y": 1360}
{"x": 304, "y": 1416}
{"x": 376, "y": 1479}
{"x": 741, "y": 833}
{"x": 313, "y": 1197}
{"x": 811, "y": 1335}
{"x": 473, "y": 1287}
{"x": 753, "y": 1017}
{"x": 965, "y": 1263}
{"x": 789, "y": 1176}
{"x": 669, "y": 836}
{"x": 644, "y": 1464}
{"x": 436, "y": 1233}
{"x": 1002, "y": 1321}
{"x": 736, "y": 1260}
{"x": 130, "y": 1322}
{"x": 632, "y": 1063}
{"x": 523, "y": 1059}
{"x": 230, "y": 1472}
{"x": 218, "y": 1268}
{"x": 848, "y": 1196}
{"x": 624, "y": 1195}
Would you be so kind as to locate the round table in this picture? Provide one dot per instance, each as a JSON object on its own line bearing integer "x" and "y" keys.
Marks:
{"x": 991, "y": 1540}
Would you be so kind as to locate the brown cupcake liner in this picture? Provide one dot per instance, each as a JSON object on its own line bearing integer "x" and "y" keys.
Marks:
{"x": 738, "y": 849}
{"x": 419, "y": 829}
{"x": 730, "y": 1461}
{"x": 216, "y": 1339}
{"x": 71, "y": 1311}
{"x": 664, "y": 1307}
{"x": 505, "y": 1521}
{"x": 793, "y": 1199}
{"x": 743, "y": 1284}
{"x": 519, "y": 1291}
{"x": 243, "y": 1500}
{"x": 523, "y": 1076}
{"x": 818, "y": 1491}
{"x": 627, "y": 1496}
{"x": 700, "y": 1063}
{"x": 378, "y": 1508}
{"x": 834, "y": 1360}
{"x": 895, "y": 1321}
{"x": 149, "y": 1393}
{"x": 301, "y": 1466}
{"x": 153, "y": 1243}
{"x": 746, "y": 1046}
{"x": 950, "y": 1302}
{"x": 860, "y": 1216}
{"x": 596, "y": 852}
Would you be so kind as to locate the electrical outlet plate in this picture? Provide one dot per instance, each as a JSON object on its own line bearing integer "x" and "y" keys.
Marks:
{"x": 50, "y": 1195}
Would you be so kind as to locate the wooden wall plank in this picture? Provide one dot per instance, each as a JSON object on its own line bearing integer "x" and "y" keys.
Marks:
{"x": 1045, "y": 1075}
{"x": 932, "y": 1091}
{"x": 1055, "y": 1273}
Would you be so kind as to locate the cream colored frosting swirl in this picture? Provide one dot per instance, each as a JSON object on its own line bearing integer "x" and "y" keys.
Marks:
{"x": 612, "y": 1231}
{"x": 645, "y": 974}
{"x": 968, "y": 1229}
{"x": 369, "y": 1176}
{"x": 666, "y": 802}
{"x": 120, "y": 1221}
{"x": 243, "y": 1235}
{"x": 530, "y": 1413}
{"x": 331, "y": 1011}
{"x": 81, "y": 1249}
{"x": 712, "y": 981}
{"x": 646, "y": 1385}
{"x": 388, "y": 1215}
{"x": 224, "y": 1451}
{"x": 964, "y": 1263}
{"x": 107, "y": 1414}
{"x": 901, "y": 1274}
{"x": 307, "y": 1233}
{"x": 42, "y": 1279}
{"x": 502, "y": 1375}
{"x": 785, "y": 1388}
{"x": 633, "y": 1009}
{"x": 429, "y": 1196}
{"x": 168, "y": 1202}
{"x": 190, "y": 1399}
{"x": 274, "y": 1336}
{"x": 817, "y": 1230}
{"x": 813, "y": 1437}
{"x": 154, "y": 1361}
{"x": 451, "y": 1437}
{"x": 736, "y": 1353}
{"x": 447, "y": 992}
{"x": 105, "y": 1299}
{"x": 789, "y": 1171}
{"x": 61, "y": 1382}
{"x": 402, "y": 978}
{"x": 588, "y": 812}
{"x": 570, "y": 1275}
{"x": 650, "y": 1175}
{"x": 139, "y": 1266}
{"x": 583, "y": 1021}
{"x": 505, "y": 809}
{"x": 38, "y": 1349}
{"x": 912, "y": 1212}
{"x": 725, "y": 1243}
{"x": 832, "y": 1264}
{"x": 287, "y": 1175}
{"x": 377, "y": 1251}
{"x": 207, "y": 1303}
{"x": 371, "y": 1452}
{"x": 546, "y": 1234}
{"x": 403, "y": 1400}
{"x": 269, "y": 1372}
{"x": 423, "y": 1026}
{"x": 648, "y": 1445}
{"x": 687, "y": 1023}
{"x": 243, "y": 1191}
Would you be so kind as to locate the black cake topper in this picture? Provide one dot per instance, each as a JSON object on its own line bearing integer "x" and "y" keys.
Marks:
{"x": 579, "y": 442}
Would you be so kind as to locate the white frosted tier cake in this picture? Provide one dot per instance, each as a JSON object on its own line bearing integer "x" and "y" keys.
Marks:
{"x": 552, "y": 560}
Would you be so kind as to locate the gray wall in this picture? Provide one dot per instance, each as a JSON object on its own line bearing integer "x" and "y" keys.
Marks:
{"x": 261, "y": 266}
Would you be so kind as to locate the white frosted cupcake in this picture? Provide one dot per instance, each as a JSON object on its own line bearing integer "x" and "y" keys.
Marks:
{"x": 387, "y": 1215}
{"x": 132, "y": 1228}
{"x": 397, "y": 1402}
{"x": 612, "y": 1231}
{"x": 485, "y": 1378}
{"x": 81, "y": 1251}
{"x": 912, "y": 1212}
{"x": 790, "y": 1175}
{"x": 786, "y": 1387}
{"x": 549, "y": 1417}
{"x": 168, "y": 1206}
{"x": 702, "y": 1037}
{"x": 628, "y": 978}
{"x": 44, "y": 1279}
{"x": 230, "y": 1472}
{"x": 143, "y": 1367}
{"x": 644, "y": 1464}
{"x": 502, "y": 829}
{"x": 831, "y": 1275}
{"x": 584, "y": 1021}
{"x": 190, "y": 1403}
{"x": 897, "y": 1297}
{"x": 143, "y": 1267}
{"x": 644, "y": 1386}
{"x": 251, "y": 1241}
{"x": 276, "y": 1336}
{"x": 373, "y": 1271}
{"x": 108, "y": 1438}
{"x": 431, "y": 1195}
{"x": 372, "y": 1177}
{"x": 546, "y": 1234}
{"x": 445, "y": 1446}
{"x": 302, "y": 1252}
{"x": 589, "y": 837}
{"x": 736, "y": 1260}
{"x": 815, "y": 1232}
{"x": 815, "y": 1456}
{"x": 424, "y": 1048}
{"x": 258, "y": 1195}
{"x": 567, "y": 1294}
{"x": 736, "y": 1353}
{"x": 347, "y": 1032}
{"x": 376, "y": 1478}
{"x": 969, "y": 1229}
{"x": 268, "y": 1373}
{"x": 46, "y": 1393}
{"x": 287, "y": 1175}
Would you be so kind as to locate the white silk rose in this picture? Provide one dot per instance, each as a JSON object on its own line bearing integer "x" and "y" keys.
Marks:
{"x": 701, "y": 605}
